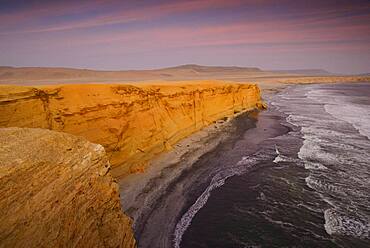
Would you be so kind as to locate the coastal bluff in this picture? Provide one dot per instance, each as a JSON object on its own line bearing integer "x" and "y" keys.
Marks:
{"x": 56, "y": 191}
{"x": 63, "y": 146}
{"x": 132, "y": 122}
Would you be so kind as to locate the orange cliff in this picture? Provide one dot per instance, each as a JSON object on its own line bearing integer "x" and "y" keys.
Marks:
{"x": 57, "y": 188}
{"x": 56, "y": 191}
{"x": 132, "y": 122}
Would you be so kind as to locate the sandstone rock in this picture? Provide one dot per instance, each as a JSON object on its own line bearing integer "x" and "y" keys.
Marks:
{"x": 56, "y": 191}
{"x": 132, "y": 122}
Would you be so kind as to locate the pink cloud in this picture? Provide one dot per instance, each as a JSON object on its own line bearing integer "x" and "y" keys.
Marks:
{"x": 267, "y": 32}
{"x": 119, "y": 15}
{"x": 239, "y": 36}
{"x": 48, "y": 9}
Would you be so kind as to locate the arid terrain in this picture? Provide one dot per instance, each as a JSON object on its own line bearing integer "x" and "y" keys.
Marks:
{"x": 268, "y": 81}
{"x": 40, "y": 75}
{"x": 264, "y": 78}
{"x": 135, "y": 116}
{"x": 184, "y": 124}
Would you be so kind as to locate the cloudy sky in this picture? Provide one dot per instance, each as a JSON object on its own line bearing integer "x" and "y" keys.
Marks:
{"x": 107, "y": 34}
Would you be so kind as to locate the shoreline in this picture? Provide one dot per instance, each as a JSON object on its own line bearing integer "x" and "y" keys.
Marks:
{"x": 183, "y": 154}
{"x": 144, "y": 196}
{"x": 245, "y": 155}
{"x": 160, "y": 178}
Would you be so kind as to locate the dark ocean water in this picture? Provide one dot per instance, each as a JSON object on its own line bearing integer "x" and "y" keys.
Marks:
{"x": 306, "y": 184}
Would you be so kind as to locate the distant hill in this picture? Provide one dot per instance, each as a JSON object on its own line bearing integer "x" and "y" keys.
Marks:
{"x": 202, "y": 68}
{"x": 364, "y": 74}
{"x": 53, "y": 75}
{"x": 307, "y": 72}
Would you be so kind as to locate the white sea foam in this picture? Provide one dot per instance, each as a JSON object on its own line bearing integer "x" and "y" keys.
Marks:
{"x": 217, "y": 181}
{"x": 278, "y": 158}
{"x": 282, "y": 158}
{"x": 262, "y": 196}
{"x": 314, "y": 166}
{"x": 313, "y": 209}
{"x": 342, "y": 108}
{"x": 279, "y": 222}
{"x": 292, "y": 120}
{"x": 189, "y": 215}
{"x": 340, "y": 224}
{"x": 322, "y": 186}
{"x": 329, "y": 141}
{"x": 323, "y": 131}
{"x": 311, "y": 151}
{"x": 356, "y": 115}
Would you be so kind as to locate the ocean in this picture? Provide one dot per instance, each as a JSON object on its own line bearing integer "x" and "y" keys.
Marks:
{"x": 307, "y": 187}
{"x": 295, "y": 175}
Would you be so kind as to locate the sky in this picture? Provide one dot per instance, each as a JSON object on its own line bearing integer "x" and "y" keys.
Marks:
{"x": 119, "y": 35}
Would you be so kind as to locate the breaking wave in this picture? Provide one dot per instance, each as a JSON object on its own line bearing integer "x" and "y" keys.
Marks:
{"x": 282, "y": 158}
{"x": 358, "y": 116}
{"x": 339, "y": 224}
{"x": 217, "y": 181}
{"x": 336, "y": 132}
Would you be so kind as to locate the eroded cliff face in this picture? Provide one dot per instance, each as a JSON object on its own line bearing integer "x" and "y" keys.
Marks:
{"x": 56, "y": 191}
{"x": 132, "y": 122}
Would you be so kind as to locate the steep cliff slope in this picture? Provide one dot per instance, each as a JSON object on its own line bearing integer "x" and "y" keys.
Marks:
{"x": 132, "y": 122}
{"x": 56, "y": 191}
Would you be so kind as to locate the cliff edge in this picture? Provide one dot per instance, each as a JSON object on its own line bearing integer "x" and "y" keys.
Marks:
{"x": 132, "y": 122}
{"x": 56, "y": 191}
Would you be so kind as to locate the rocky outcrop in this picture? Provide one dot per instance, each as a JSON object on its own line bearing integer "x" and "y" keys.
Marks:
{"x": 56, "y": 191}
{"x": 132, "y": 122}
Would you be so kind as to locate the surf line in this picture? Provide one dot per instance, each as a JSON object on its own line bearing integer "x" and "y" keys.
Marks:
{"x": 217, "y": 181}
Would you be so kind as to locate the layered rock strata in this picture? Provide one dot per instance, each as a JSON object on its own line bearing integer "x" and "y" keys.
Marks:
{"x": 132, "y": 122}
{"x": 56, "y": 191}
